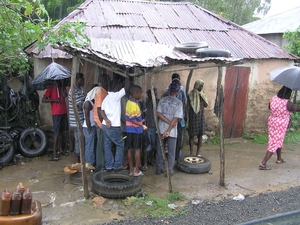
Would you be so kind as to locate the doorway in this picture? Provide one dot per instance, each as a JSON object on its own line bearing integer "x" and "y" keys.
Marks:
{"x": 235, "y": 100}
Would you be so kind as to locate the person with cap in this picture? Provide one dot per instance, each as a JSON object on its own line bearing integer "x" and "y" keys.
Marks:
{"x": 181, "y": 127}
{"x": 197, "y": 101}
{"x": 79, "y": 99}
{"x": 169, "y": 112}
{"x": 89, "y": 129}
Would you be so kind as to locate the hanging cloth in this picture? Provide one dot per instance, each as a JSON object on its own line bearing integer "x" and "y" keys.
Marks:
{"x": 196, "y": 95}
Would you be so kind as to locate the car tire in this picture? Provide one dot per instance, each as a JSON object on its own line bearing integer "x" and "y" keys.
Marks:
{"x": 7, "y": 149}
{"x": 194, "y": 164}
{"x": 115, "y": 185}
{"x": 190, "y": 48}
{"x": 32, "y": 142}
{"x": 211, "y": 52}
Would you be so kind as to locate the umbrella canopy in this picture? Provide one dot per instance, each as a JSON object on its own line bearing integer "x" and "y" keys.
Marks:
{"x": 51, "y": 73}
{"x": 288, "y": 76}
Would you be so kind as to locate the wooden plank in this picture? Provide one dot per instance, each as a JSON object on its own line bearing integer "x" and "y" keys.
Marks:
{"x": 236, "y": 95}
{"x": 75, "y": 69}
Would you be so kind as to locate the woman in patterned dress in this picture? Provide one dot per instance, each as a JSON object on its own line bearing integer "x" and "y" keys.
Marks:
{"x": 278, "y": 121}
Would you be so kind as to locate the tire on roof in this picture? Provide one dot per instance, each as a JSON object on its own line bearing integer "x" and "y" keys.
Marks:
{"x": 211, "y": 52}
{"x": 189, "y": 48}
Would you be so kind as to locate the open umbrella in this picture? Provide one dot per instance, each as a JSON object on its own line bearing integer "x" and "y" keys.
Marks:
{"x": 288, "y": 76}
{"x": 51, "y": 73}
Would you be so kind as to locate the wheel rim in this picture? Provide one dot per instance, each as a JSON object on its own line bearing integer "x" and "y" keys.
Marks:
{"x": 194, "y": 160}
{"x": 32, "y": 141}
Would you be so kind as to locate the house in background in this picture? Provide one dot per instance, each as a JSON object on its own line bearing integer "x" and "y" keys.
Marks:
{"x": 137, "y": 39}
{"x": 272, "y": 28}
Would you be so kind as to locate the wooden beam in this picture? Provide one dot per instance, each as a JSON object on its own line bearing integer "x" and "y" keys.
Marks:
{"x": 75, "y": 69}
{"x": 188, "y": 82}
{"x": 162, "y": 148}
{"x": 221, "y": 123}
{"x": 166, "y": 69}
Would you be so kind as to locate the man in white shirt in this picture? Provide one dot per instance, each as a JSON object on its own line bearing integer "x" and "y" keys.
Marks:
{"x": 111, "y": 125}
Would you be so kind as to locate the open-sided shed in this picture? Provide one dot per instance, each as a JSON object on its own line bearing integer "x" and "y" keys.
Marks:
{"x": 137, "y": 38}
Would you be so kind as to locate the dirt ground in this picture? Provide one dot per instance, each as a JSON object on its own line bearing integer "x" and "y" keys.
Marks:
{"x": 63, "y": 202}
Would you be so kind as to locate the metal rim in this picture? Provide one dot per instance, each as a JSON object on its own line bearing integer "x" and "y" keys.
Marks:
{"x": 193, "y": 160}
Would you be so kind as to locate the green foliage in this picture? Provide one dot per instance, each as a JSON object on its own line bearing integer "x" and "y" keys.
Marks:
{"x": 290, "y": 137}
{"x": 71, "y": 34}
{"x": 58, "y": 9}
{"x": 215, "y": 140}
{"x": 260, "y": 138}
{"x": 293, "y": 38}
{"x": 24, "y": 21}
{"x": 159, "y": 206}
{"x": 295, "y": 119}
{"x": 237, "y": 11}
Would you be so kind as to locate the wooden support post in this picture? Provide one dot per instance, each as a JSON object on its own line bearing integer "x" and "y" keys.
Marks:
{"x": 221, "y": 123}
{"x": 187, "y": 86}
{"x": 75, "y": 69}
{"x": 158, "y": 132}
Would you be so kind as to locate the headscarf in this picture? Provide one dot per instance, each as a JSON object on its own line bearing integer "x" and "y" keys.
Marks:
{"x": 91, "y": 94}
{"x": 195, "y": 95}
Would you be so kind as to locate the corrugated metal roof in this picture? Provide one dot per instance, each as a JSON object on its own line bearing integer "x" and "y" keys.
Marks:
{"x": 279, "y": 23}
{"x": 137, "y": 33}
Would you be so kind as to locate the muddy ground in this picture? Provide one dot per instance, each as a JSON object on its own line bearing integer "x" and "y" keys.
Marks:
{"x": 63, "y": 201}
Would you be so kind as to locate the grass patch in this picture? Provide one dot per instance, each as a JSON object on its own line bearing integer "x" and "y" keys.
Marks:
{"x": 156, "y": 207}
{"x": 290, "y": 137}
{"x": 214, "y": 141}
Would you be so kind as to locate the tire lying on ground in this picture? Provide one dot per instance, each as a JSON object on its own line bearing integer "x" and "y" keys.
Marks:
{"x": 193, "y": 164}
{"x": 211, "y": 52}
{"x": 115, "y": 185}
{"x": 32, "y": 142}
{"x": 191, "y": 47}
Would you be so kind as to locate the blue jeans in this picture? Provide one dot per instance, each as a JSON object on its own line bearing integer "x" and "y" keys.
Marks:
{"x": 100, "y": 149}
{"x": 113, "y": 135}
{"x": 152, "y": 138}
{"x": 76, "y": 142}
{"x": 171, "y": 154}
{"x": 89, "y": 150}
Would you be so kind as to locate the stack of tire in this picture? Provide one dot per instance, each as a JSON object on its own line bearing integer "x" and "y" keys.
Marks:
{"x": 202, "y": 50}
{"x": 31, "y": 142}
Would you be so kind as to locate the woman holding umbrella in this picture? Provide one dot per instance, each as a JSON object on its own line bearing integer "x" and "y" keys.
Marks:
{"x": 278, "y": 121}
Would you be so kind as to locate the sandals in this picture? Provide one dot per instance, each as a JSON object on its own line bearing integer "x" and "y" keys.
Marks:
{"x": 54, "y": 158}
{"x": 143, "y": 168}
{"x": 138, "y": 174}
{"x": 264, "y": 167}
{"x": 281, "y": 161}
{"x": 63, "y": 153}
{"x": 132, "y": 173}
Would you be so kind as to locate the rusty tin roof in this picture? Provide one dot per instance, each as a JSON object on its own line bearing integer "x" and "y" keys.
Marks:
{"x": 144, "y": 33}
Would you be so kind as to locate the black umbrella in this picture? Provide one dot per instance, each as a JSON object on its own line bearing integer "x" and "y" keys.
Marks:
{"x": 51, "y": 73}
{"x": 288, "y": 76}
